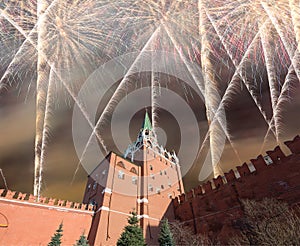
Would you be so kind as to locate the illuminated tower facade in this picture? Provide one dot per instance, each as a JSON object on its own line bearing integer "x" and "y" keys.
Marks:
{"x": 143, "y": 180}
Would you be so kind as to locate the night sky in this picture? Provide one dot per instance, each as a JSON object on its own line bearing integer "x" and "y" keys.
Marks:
{"x": 219, "y": 50}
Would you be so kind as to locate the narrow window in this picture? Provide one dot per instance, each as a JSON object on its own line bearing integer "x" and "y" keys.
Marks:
{"x": 134, "y": 180}
{"x": 150, "y": 187}
{"x": 121, "y": 175}
{"x": 151, "y": 168}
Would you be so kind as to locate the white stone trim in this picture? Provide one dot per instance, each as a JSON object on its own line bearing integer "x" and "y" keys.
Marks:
{"x": 107, "y": 190}
{"x": 118, "y": 212}
{"x": 143, "y": 216}
{"x": 143, "y": 200}
{"x": 104, "y": 208}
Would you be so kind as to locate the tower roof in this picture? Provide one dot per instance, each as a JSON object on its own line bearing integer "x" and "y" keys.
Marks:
{"x": 147, "y": 123}
{"x": 147, "y": 138}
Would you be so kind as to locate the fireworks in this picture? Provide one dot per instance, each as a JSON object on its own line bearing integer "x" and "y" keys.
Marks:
{"x": 236, "y": 44}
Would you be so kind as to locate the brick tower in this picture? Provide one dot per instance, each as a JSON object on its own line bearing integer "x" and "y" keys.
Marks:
{"x": 143, "y": 180}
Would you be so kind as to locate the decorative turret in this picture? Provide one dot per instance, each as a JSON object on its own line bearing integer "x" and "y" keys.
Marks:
{"x": 147, "y": 138}
{"x": 146, "y": 135}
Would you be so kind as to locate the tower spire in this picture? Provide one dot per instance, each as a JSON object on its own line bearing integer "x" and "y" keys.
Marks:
{"x": 147, "y": 123}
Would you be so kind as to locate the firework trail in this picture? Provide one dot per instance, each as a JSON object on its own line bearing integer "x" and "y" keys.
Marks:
{"x": 232, "y": 87}
{"x": 217, "y": 137}
{"x": 284, "y": 97}
{"x": 155, "y": 92}
{"x": 41, "y": 86}
{"x": 67, "y": 43}
{"x": 117, "y": 95}
{"x": 212, "y": 96}
{"x": 21, "y": 51}
{"x": 154, "y": 97}
{"x": 238, "y": 67}
{"x": 290, "y": 47}
{"x": 295, "y": 13}
{"x": 47, "y": 114}
{"x": 292, "y": 51}
{"x": 4, "y": 179}
{"x": 41, "y": 96}
{"x": 272, "y": 79}
{"x": 73, "y": 45}
{"x": 256, "y": 41}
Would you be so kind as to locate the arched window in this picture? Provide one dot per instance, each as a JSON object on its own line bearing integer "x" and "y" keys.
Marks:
{"x": 133, "y": 170}
{"x": 151, "y": 167}
{"x": 121, "y": 164}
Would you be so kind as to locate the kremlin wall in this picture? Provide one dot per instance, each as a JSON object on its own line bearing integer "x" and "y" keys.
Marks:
{"x": 211, "y": 209}
{"x": 214, "y": 208}
{"x": 23, "y": 221}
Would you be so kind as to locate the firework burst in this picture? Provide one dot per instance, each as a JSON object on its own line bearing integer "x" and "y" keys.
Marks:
{"x": 237, "y": 44}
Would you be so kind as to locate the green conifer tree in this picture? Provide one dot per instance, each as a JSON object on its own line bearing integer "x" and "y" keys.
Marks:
{"x": 82, "y": 241}
{"x": 56, "y": 238}
{"x": 132, "y": 234}
{"x": 165, "y": 237}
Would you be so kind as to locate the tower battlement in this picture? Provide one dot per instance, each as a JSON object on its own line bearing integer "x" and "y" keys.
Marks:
{"x": 29, "y": 199}
{"x": 273, "y": 175}
{"x": 254, "y": 167}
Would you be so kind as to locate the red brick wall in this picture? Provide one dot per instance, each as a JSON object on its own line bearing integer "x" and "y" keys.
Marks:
{"x": 122, "y": 196}
{"x": 214, "y": 212}
{"x": 25, "y": 222}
